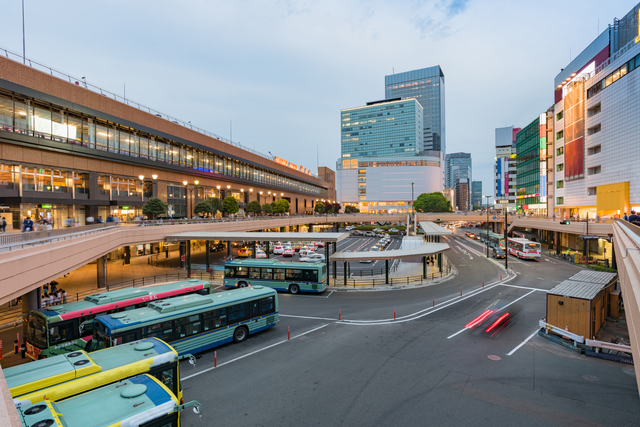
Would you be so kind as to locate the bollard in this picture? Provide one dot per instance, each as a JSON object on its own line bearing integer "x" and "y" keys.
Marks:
{"x": 288, "y": 332}
{"x": 483, "y": 283}
{"x": 394, "y": 313}
{"x": 501, "y": 277}
{"x": 215, "y": 359}
{"x": 15, "y": 347}
{"x": 434, "y": 301}
{"x": 461, "y": 291}
{"x": 339, "y": 314}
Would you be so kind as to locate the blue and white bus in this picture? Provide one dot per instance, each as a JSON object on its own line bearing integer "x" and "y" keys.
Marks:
{"x": 193, "y": 323}
{"x": 293, "y": 277}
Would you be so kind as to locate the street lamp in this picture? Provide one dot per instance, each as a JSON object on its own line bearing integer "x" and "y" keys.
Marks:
{"x": 219, "y": 194}
{"x": 487, "y": 207}
{"x": 141, "y": 187}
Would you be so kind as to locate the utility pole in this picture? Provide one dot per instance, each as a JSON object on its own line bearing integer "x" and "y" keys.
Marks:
{"x": 506, "y": 253}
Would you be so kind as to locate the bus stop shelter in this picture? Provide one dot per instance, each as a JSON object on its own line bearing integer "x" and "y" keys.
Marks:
{"x": 433, "y": 231}
{"x": 429, "y": 249}
{"x": 241, "y": 236}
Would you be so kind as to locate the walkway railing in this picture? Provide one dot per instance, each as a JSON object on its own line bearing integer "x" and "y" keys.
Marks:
{"x": 363, "y": 282}
{"x": 12, "y": 241}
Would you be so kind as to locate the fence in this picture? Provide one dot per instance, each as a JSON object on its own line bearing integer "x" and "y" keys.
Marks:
{"x": 393, "y": 281}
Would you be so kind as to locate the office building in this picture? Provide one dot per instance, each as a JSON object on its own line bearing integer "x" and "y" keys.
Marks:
{"x": 427, "y": 86}
{"x": 329, "y": 176}
{"x": 476, "y": 194}
{"x": 531, "y": 165}
{"x": 505, "y": 169}
{"x": 597, "y": 167}
{"x": 69, "y": 153}
{"x": 458, "y": 167}
{"x": 462, "y": 195}
{"x": 382, "y": 128}
{"x": 450, "y": 195}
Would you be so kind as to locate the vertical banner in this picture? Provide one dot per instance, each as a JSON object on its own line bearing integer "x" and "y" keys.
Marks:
{"x": 574, "y": 131}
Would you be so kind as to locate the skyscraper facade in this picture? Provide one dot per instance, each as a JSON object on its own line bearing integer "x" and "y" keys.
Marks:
{"x": 427, "y": 86}
{"x": 458, "y": 169}
{"x": 505, "y": 169}
{"x": 476, "y": 193}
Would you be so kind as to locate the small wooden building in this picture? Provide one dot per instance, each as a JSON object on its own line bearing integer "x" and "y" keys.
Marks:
{"x": 581, "y": 303}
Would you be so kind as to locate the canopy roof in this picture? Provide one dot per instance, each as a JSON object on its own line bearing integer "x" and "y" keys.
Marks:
{"x": 433, "y": 229}
{"x": 420, "y": 251}
{"x": 254, "y": 236}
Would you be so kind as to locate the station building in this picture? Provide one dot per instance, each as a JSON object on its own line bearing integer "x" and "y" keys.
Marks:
{"x": 69, "y": 150}
{"x": 596, "y": 127}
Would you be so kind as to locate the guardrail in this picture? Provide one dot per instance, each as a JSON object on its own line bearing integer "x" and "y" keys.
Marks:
{"x": 609, "y": 346}
{"x": 20, "y": 240}
{"x": 562, "y": 332}
{"x": 393, "y": 281}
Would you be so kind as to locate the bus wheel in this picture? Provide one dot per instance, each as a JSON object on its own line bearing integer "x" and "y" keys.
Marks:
{"x": 294, "y": 289}
{"x": 240, "y": 334}
{"x": 242, "y": 284}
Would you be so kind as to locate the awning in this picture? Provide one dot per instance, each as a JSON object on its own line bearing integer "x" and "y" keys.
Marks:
{"x": 253, "y": 236}
{"x": 433, "y": 229}
{"x": 420, "y": 251}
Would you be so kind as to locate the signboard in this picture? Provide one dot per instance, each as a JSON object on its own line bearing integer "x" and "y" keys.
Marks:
{"x": 124, "y": 207}
{"x": 291, "y": 165}
{"x": 46, "y": 206}
{"x": 588, "y": 237}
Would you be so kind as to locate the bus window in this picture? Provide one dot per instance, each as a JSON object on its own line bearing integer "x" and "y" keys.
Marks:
{"x": 238, "y": 312}
{"x": 254, "y": 272}
{"x": 294, "y": 274}
{"x": 167, "y": 377}
{"x": 279, "y": 274}
{"x": 255, "y": 308}
{"x": 267, "y": 305}
{"x": 188, "y": 326}
{"x": 310, "y": 275}
{"x": 61, "y": 332}
{"x": 229, "y": 272}
{"x": 126, "y": 337}
{"x": 242, "y": 271}
{"x": 267, "y": 273}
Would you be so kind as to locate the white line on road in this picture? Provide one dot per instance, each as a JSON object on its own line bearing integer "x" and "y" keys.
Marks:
{"x": 252, "y": 353}
{"x": 460, "y": 331}
{"x": 306, "y": 317}
{"x": 522, "y": 343}
{"x": 311, "y": 296}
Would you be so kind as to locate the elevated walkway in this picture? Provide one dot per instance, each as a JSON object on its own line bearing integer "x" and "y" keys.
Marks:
{"x": 602, "y": 229}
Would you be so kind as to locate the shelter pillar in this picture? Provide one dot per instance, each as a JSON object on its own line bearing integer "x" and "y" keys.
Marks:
{"x": 440, "y": 262}
{"x": 189, "y": 258}
{"x": 229, "y": 248}
{"x": 102, "y": 271}
{"x": 310, "y": 229}
{"x": 424, "y": 267}
{"x": 127, "y": 254}
{"x": 335, "y": 265}
{"x": 268, "y": 249}
{"x": 326, "y": 260}
{"x": 557, "y": 243}
{"x": 253, "y": 252}
{"x": 386, "y": 271}
{"x": 345, "y": 272}
{"x": 30, "y": 301}
{"x": 283, "y": 229}
{"x": 208, "y": 256}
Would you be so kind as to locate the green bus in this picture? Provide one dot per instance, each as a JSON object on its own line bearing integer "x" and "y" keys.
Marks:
{"x": 193, "y": 323}
{"x": 137, "y": 401}
{"x": 63, "y": 328}
{"x": 66, "y": 375}
{"x": 294, "y": 277}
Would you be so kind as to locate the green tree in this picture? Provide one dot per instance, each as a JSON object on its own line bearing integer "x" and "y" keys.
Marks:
{"x": 203, "y": 208}
{"x": 281, "y": 206}
{"x": 336, "y": 207}
{"x": 230, "y": 205}
{"x": 351, "y": 209}
{"x": 432, "y": 202}
{"x": 254, "y": 207}
{"x": 319, "y": 208}
{"x": 153, "y": 207}
{"x": 216, "y": 205}
{"x": 267, "y": 209}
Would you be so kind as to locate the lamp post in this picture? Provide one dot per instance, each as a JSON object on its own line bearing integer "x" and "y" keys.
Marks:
{"x": 141, "y": 187}
{"x": 487, "y": 207}
{"x": 219, "y": 194}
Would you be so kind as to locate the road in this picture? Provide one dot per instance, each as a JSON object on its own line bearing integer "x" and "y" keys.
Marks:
{"x": 424, "y": 367}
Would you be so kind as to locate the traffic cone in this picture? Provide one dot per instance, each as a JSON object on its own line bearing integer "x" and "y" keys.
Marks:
{"x": 566, "y": 328}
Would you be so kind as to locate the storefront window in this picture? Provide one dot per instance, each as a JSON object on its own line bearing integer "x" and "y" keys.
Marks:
{"x": 6, "y": 113}
{"x": 81, "y": 183}
{"x": 102, "y": 137}
{"x": 42, "y": 122}
{"x": 103, "y": 185}
{"x": 8, "y": 176}
{"x": 60, "y": 181}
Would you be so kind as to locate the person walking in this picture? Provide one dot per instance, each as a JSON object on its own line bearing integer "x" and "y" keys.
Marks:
{"x": 64, "y": 296}
{"x": 59, "y": 296}
{"x": 50, "y": 299}
{"x": 3, "y": 225}
{"x": 625, "y": 217}
{"x": 634, "y": 218}
{"x": 44, "y": 298}
{"x": 45, "y": 288}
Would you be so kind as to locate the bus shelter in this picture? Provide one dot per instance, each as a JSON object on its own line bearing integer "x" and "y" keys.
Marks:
{"x": 330, "y": 239}
{"x": 430, "y": 249}
{"x": 433, "y": 231}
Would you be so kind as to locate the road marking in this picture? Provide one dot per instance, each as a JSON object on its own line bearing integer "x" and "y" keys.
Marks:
{"x": 540, "y": 278}
{"x": 252, "y": 353}
{"x": 451, "y": 246}
{"x": 311, "y": 296}
{"x": 522, "y": 343}
{"x": 525, "y": 287}
{"x": 307, "y": 317}
{"x": 460, "y": 331}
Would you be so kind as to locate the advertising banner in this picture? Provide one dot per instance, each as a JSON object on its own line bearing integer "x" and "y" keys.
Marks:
{"x": 574, "y": 131}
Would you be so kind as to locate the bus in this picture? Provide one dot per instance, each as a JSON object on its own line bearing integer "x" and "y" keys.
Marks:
{"x": 523, "y": 248}
{"x": 63, "y": 376}
{"x": 137, "y": 401}
{"x": 495, "y": 240}
{"x": 294, "y": 277}
{"x": 63, "y": 328}
{"x": 193, "y": 323}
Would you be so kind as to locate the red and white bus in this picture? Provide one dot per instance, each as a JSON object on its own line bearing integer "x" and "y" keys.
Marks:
{"x": 523, "y": 248}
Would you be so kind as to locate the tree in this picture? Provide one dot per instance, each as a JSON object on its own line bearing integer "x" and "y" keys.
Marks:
{"x": 351, "y": 209}
{"x": 216, "y": 205}
{"x": 319, "y": 208}
{"x": 432, "y": 202}
{"x": 336, "y": 207}
{"x": 209, "y": 207}
{"x": 281, "y": 206}
{"x": 154, "y": 206}
{"x": 254, "y": 207}
{"x": 230, "y": 205}
{"x": 267, "y": 209}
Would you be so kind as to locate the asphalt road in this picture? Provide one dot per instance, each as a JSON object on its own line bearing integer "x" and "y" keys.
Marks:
{"x": 423, "y": 368}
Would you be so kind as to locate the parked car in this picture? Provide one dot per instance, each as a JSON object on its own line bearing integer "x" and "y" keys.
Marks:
{"x": 313, "y": 258}
{"x": 244, "y": 253}
{"x": 356, "y": 233}
{"x": 393, "y": 230}
{"x": 497, "y": 253}
{"x": 216, "y": 247}
{"x": 370, "y": 234}
{"x": 278, "y": 250}
{"x": 261, "y": 254}
{"x": 288, "y": 252}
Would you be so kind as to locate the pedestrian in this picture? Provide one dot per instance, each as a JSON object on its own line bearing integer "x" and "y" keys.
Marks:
{"x": 3, "y": 225}
{"x": 64, "y": 296}
{"x": 59, "y": 296}
{"x": 53, "y": 285}
{"x": 50, "y": 299}
{"x": 43, "y": 303}
{"x": 27, "y": 225}
{"x": 100, "y": 220}
{"x": 634, "y": 219}
{"x": 56, "y": 300}
{"x": 45, "y": 288}
{"x": 625, "y": 217}
{"x": 89, "y": 220}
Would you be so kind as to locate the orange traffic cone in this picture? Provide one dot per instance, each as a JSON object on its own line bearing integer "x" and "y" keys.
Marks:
{"x": 566, "y": 328}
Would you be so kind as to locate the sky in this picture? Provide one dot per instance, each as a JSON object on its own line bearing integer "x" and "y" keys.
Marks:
{"x": 275, "y": 74}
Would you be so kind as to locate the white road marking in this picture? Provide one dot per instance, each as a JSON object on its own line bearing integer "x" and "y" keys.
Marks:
{"x": 311, "y": 296}
{"x": 307, "y": 317}
{"x": 540, "y": 278}
{"x": 460, "y": 331}
{"x": 252, "y": 353}
{"x": 522, "y": 343}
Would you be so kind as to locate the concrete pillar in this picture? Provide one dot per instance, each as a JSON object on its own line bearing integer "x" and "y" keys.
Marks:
{"x": 208, "y": 256}
{"x": 268, "y": 249}
{"x": 183, "y": 254}
{"x": 335, "y": 265}
{"x": 386, "y": 271}
{"x": 253, "y": 252}
{"x": 557, "y": 243}
{"x": 298, "y": 228}
{"x": 345, "y": 273}
{"x": 310, "y": 229}
{"x": 614, "y": 263}
{"x": 101, "y": 267}
{"x": 424, "y": 267}
{"x": 229, "y": 248}
{"x": 30, "y": 301}
{"x": 189, "y": 258}
{"x": 440, "y": 262}
{"x": 127, "y": 254}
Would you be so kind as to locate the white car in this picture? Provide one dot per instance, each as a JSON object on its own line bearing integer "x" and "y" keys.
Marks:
{"x": 312, "y": 258}
{"x": 370, "y": 234}
{"x": 393, "y": 230}
{"x": 278, "y": 250}
{"x": 261, "y": 254}
{"x": 319, "y": 244}
{"x": 303, "y": 251}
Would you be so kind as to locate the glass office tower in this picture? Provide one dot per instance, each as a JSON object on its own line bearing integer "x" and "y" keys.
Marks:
{"x": 381, "y": 128}
{"x": 427, "y": 86}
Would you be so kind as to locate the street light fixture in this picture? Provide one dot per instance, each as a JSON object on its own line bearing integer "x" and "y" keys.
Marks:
{"x": 154, "y": 176}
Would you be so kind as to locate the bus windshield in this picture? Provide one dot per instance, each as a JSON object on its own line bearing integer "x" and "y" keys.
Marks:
{"x": 534, "y": 246}
{"x": 37, "y": 331}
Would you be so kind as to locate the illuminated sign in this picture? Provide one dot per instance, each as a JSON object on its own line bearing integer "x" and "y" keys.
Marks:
{"x": 124, "y": 207}
{"x": 638, "y": 38}
{"x": 288, "y": 164}
{"x": 543, "y": 157}
{"x": 46, "y": 206}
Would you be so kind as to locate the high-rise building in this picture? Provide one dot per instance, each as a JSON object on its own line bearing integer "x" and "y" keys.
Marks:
{"x": 328, "y": 175}
{"x": 462, "y": 195}
{"x": 427, "y": 86}
{"x": 505, "y": 170}
{"x": 381, "y": 128}
{"x": 382, "y": 156}
{"x": 597, "y": 167}
{"x": 476, "y": 193}
{"x": 458, "y": 167}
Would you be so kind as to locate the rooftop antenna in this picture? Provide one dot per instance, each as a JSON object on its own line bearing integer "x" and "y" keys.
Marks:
{"x": 231, "y": 130}
{"x": 24, "y": 55}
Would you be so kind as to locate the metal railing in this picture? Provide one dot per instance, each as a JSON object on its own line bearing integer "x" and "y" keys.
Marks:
{"x": 393, "y": 281}
{"x": 83, "y": 82}
{"x": 12, "y": 241}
